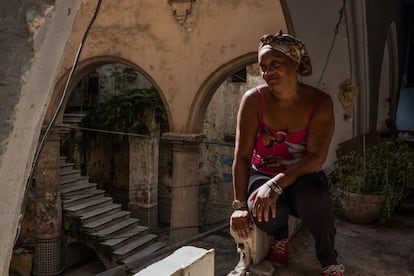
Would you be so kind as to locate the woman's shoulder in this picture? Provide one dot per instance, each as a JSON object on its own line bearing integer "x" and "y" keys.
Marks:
{"x": 251, "y": 98}
{"x": 315, "y": 94}
{"x": 257, "y": 90}
{"x": 254, "y": 93}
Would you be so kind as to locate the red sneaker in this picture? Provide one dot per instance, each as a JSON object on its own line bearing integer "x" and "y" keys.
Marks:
{"x": 279, "y": 252}
{"x": 333, "y": 270}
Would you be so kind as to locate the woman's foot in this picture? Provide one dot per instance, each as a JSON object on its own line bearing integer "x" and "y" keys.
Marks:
{"x": 333, "y": 270}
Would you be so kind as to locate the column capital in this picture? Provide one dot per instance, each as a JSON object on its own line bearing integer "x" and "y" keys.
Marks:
{"x": 184, "y": 141}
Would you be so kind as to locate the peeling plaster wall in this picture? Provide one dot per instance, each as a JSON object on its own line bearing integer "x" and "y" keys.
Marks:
{"x": 215, "y": 174}
{"x": 33, "y": 36}
{"x": 178, "y": 58}
{"x": 15, "y": 55}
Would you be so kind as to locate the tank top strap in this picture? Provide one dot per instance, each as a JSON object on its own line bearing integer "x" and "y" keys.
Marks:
{"x": 259, "y": 91}
{"x": 313, "y": 107}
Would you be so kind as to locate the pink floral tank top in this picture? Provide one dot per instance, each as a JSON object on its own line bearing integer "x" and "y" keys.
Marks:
{"x": 276, "y": 150}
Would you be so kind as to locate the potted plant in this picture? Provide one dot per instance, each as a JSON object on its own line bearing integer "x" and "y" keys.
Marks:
{"x": 370, "y": 180}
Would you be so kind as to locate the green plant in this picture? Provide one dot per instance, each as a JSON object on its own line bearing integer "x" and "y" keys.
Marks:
{"x": 376, "y": 169}
{"x": 127, "y": 111}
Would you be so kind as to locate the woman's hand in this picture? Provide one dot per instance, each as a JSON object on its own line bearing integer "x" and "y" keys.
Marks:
{"x": 264, "y": 201}
{"x": 240, "y": 223}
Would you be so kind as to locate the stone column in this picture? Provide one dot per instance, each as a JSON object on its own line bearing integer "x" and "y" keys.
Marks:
{"x": 48, "y": 258}
{"x": 184, "y": 188}
{"x": 143, "y": 178}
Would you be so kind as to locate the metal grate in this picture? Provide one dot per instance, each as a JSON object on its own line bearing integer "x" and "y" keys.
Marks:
{"x": 48, "y": 257}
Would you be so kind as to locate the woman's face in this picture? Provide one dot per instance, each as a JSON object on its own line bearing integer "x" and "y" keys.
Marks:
{"x": 277, "y": 68}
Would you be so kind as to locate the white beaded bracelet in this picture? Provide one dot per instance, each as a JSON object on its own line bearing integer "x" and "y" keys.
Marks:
{"x": 274, "y": 186}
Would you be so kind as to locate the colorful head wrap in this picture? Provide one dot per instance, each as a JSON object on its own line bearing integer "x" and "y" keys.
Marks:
{"x": 290, "y": 46}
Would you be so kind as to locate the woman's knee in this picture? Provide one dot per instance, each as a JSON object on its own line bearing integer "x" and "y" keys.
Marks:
{"x": 273, "y": 224}
{"x": 314, "y": 183}
{"x": 312, "y": 198}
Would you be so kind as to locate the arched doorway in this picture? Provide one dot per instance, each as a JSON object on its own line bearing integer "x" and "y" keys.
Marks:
{"x": 69, "y": 196}
{"x": 115, "y": 141}
{"x": 218, "y": 104}
{"x": 388, "y": 90}
{"x": 217, "y": 151}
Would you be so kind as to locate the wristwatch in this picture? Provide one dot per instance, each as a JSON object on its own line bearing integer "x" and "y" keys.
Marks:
{"x": 237, "y": 204}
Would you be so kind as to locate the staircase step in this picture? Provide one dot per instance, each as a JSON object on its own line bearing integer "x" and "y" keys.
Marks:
{"x": 116, "y": 228}
{"x": 74, "y": 199}
{"x": 119, "y": 240}
{"x": 89, "y": 205}
{"x": 64, "y": 165}
{"x": 72, "y": 179}
{"x": 106, "y": 220}
{"x": 75, "y": 114}
{"x": 83, "y": 187}
{"x": 153, "y": 247}
{"x": 67, "y": 168}
{"x": 68, "y": 120}
{"x": 132, "y": 246}
{"x": 98, "y": 213}
{"x": 64, "y": 161}
{"x": 69, "y": 171}
{"x": 64, "y": 179}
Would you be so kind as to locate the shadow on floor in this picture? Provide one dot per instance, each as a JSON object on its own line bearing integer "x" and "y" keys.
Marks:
{"x": 371, "y": 249}
{"x": 94, "y": 266}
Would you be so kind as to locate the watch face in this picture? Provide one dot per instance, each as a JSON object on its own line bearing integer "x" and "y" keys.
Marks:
{"x": 237, "y": 204}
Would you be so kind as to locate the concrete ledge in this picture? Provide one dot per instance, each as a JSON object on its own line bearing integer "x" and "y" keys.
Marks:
{"x": 187, "y": 260}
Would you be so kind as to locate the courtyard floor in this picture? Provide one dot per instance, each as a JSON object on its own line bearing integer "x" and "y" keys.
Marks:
{"x": 370, "y": 249}
{"x": 365, "y": 249}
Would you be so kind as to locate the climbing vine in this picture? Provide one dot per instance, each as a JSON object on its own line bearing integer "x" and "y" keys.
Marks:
{"x": 126, "y": 109}
{"x": 127, "y": 112}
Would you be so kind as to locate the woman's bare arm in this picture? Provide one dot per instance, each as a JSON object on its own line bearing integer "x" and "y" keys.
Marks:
{"x": 320, "y": 132}
{"x": 246, "y": 132}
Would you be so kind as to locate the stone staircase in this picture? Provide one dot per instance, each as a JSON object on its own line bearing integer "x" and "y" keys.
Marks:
{"x": 94, "y": 219}
{"x": 74, "y": 118}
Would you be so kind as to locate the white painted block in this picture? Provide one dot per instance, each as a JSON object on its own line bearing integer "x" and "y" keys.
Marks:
{"x": 186, "y": 261}
{"x": 259, "y": 245}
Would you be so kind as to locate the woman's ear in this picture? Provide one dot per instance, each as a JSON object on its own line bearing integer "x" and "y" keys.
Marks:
{"x": 297, "y": 66}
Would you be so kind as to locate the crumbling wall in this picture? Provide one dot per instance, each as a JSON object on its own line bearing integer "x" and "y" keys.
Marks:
{"x": 216, "y": 155}
{"x": 33, "y": 36}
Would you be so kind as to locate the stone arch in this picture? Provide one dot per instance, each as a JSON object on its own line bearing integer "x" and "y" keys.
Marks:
{"x": 82, "y": 70}
{"x": 388, "y": 86}
{"x": 209, "y": 87}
